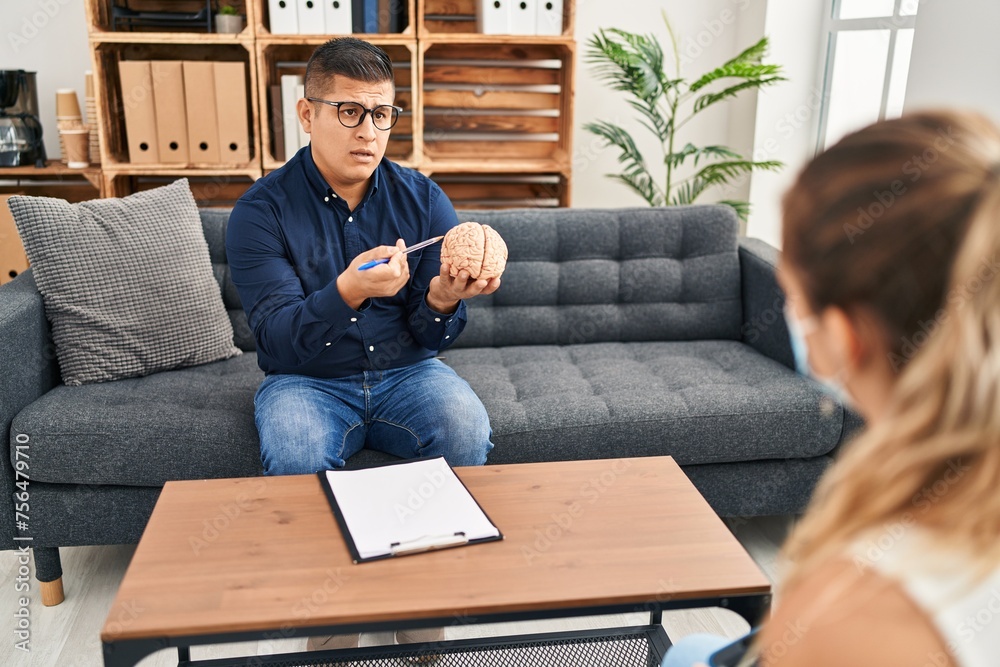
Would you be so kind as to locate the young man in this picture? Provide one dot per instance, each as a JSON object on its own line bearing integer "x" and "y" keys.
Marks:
{"x": 348, "y": 353}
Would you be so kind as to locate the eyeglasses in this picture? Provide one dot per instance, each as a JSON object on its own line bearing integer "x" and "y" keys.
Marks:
{"x": 352, "y": 114}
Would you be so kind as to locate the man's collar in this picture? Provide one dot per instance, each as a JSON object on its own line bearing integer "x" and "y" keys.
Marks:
{"x": 323, "y": 188}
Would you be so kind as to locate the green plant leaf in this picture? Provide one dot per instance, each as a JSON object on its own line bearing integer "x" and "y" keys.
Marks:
{"x": 719, "y": 173}
{"x": 709, "y": 99}
{"x": 752, "y": 54}
{"x": 635, "y": 174}
{"x": 642, "y": 184}
{"x": 749, "y": 71}
{"x": 629, "y": 62}
{"x": 742, "y": 208}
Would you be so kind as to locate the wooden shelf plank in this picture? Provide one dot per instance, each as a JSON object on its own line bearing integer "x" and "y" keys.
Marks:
{"x": 52, "y": 168}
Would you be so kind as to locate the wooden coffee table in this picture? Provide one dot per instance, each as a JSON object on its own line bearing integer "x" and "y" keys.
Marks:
{"x": 233, "y": 560}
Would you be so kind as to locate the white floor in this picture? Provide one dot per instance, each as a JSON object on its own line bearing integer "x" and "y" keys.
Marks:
{"x": 68, "y": 635}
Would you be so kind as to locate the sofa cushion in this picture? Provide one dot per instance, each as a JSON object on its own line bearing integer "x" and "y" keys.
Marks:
{"x": 189, "y": 423}
{"x": 699, "y": 401}
{"x": 127, "y": 283}
{"x": 582, "y": 276}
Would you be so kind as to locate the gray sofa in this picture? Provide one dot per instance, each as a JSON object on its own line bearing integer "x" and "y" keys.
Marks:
{"x": 633, "y": 332}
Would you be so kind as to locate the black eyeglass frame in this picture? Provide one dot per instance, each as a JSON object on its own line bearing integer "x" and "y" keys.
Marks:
{"x": 364, "y": 112}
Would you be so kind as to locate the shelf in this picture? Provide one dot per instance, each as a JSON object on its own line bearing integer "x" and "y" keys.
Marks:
{"x": 447, "y": 19}
{"x": 505, "y": 190}
{"x": 278, "y": 58}
{"x": 111, "y": 99}
{"x": 487, "y": 165}
{"x": 496, "y": 109}
{"x": 52, "y": 168}
{"x": 77, "y": 184}
{"x": 208, "y": 190}
{"x": 393, "y": 39}
{"x": 110, "y": 37}
{"x": 510, "y": 103}
{"x": 262, "y": 28}
{"x": 98, "y": 16}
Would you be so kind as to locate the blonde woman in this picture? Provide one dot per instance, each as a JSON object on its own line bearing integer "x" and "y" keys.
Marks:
{"x": 897, "y": 560}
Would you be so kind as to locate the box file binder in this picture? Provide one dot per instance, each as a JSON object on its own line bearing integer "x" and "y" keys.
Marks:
{"x": 550, "y": 17}
{"x": 494, "y": 17}
{"x": 140, "y": 112}
{"x": 405, "y": 508}
{"x": 231, "y": 112}
{"x": 523, "y": 17}
{"x": 283, "y": 17}
{"x": 289, "y": 98}
{"x": 365, "y": 16}
{"x": 171, "y": 115}
{"x": 201, "y": 110}
{"x": 13, "y": 260}
{"x": 310, "y": 17}
{"x": 277, "y": 119}
{"x": 337, "y": 17}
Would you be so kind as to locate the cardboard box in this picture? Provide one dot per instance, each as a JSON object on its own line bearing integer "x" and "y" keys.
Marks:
{"x": 231, "y": 112}
{"x": 171, "y": 113}
{"x": 200, "y": 105}
{"x": 140, "y": 112}
{"x": 12, "y": 258}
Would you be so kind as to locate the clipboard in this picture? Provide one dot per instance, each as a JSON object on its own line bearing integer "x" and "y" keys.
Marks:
{"x": 404, "y": 508}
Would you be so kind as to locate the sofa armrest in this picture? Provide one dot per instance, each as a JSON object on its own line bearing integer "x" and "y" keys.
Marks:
{"x": 30, "y": 371}
{"x": 763, "y": 326}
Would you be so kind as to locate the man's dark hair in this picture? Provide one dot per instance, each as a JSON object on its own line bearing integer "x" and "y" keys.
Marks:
{"x": 348, "y": 57}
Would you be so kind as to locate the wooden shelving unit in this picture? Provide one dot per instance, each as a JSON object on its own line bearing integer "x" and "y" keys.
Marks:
{"x": 54, "y": 178}
{"x": 489, "y": 117}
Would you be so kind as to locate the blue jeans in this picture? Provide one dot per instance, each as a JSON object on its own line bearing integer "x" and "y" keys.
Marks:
{"x": 309, "y": 424}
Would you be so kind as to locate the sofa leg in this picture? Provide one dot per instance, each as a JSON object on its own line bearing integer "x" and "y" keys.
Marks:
{"x": 48, "y": 571}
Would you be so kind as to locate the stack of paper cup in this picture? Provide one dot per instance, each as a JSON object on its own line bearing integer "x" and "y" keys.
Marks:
{"x": 67, "y": 115}
{"x": 91, "y": 103}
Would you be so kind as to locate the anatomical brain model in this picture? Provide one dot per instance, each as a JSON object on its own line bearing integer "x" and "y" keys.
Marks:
{"x": 476, "y": 248}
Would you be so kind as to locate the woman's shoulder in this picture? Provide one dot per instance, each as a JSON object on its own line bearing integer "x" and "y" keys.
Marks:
{"x": 848, "y": 614}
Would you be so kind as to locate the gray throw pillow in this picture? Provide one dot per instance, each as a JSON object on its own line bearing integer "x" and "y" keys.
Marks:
{"x": 127, "y": 283}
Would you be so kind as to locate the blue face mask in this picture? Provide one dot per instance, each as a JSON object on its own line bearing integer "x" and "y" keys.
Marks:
{"x": 797, "y": 332}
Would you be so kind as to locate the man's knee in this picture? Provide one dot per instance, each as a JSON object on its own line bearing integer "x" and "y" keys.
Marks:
{"x": 469, "y": 433}
{"x": 284, "y": 452}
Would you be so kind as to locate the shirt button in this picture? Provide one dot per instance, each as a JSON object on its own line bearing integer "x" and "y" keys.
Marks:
{"x": 371, "y": 348}
{"x": 326, "y": 199}
{"x": 449, "y": 321}
{"x": 350, "y": 219}
{"x": 437, "y": 319}
{"x": 334, "y": 196}
{"x": 354, "y": 319}
{"x": 329, "y": 344}
{"x": 447, "y": 337}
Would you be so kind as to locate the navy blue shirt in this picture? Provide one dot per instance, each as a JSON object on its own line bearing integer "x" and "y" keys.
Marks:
{"x": 290, "y": 236}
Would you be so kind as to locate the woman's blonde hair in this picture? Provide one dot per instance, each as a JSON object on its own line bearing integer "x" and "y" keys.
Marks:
{"x": 934, "y": 459}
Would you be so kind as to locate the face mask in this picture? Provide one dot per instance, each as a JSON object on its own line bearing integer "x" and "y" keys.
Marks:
{"x": 797, "y": 332}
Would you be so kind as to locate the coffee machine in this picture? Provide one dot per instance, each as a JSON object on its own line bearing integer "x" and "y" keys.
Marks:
{"x": 20, "y": 129}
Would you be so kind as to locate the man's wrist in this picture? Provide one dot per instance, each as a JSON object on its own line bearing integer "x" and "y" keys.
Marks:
{"x": 437, "y": 304}
{"x": 350, "y": 298}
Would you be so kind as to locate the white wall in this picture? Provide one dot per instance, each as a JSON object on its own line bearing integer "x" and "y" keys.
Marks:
{"x": 787, "y": 115}
{"x": 48, "y": 37}
{"x": 709, "y": 33}
{"x": 956, "y": 55}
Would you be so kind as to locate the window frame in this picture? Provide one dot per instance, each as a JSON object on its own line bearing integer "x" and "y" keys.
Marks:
{"x": 832, "y": 26}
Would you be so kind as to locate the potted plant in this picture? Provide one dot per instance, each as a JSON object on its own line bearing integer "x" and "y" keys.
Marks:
{"x": 228, "y": 20}
{"x": 634, "y": 64}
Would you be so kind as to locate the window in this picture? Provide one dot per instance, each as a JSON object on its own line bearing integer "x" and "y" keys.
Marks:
{"x": 868, "y": 58}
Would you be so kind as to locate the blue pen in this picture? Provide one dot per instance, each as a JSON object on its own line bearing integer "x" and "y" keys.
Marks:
{"x": 385, "y": 260}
